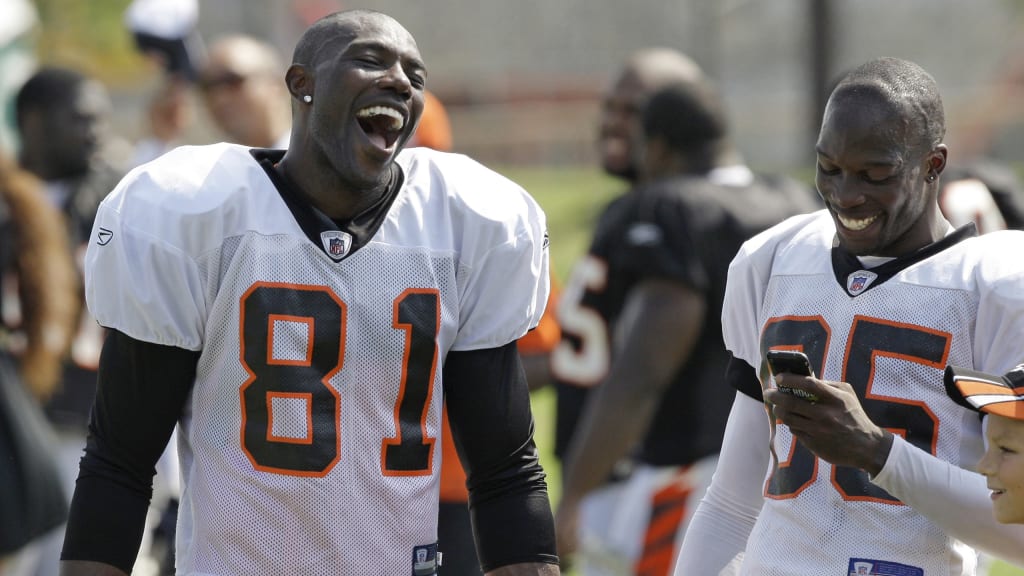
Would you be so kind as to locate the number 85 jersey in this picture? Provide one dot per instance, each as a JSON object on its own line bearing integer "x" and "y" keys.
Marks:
{"x": 309, "y": 442}
{"x": 889, "y": 331}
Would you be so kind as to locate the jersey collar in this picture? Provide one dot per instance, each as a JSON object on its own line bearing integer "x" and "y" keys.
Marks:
{"x": 853, "y": 277}
{"x": 337, "y": 239}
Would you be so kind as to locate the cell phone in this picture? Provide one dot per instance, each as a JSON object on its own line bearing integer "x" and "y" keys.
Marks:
{"x": 794, "y": 362}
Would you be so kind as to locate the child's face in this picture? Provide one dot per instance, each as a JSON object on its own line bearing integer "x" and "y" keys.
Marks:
{"x": 1003, "y": 467}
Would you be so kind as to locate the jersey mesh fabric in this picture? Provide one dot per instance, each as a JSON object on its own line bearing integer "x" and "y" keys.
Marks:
{"x": 817, "y": 524}
{"x": 309, "y": 442}
{"x": 891, "y": 343}
{"x": 333, "y": 523}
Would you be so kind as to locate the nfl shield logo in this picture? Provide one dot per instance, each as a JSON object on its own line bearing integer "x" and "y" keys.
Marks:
{"x": 859, "y": 281}
{"x": 336, "y": 243}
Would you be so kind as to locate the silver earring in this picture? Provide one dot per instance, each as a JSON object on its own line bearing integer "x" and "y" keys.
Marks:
{"x": 307, "y": 98}
{"x": 930, "y": 178}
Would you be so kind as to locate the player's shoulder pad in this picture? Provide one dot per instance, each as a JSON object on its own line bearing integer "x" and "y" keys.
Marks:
{"x": 995, "y": 260}
{"x": 192, "y": 195}
{"x": 795, "y": 239}
{"x": 470, "y": 187}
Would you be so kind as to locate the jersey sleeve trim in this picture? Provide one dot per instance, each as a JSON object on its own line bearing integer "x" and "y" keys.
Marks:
{"x": 743, "y": 377}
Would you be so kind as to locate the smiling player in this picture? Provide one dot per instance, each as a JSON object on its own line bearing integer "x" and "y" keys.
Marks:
{"x": 881, "y": 293}
{"x": 301, "y": 314}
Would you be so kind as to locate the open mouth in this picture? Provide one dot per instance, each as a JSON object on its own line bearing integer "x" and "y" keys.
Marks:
{"x": 381, "y": 124}
{"x": 856, "y": 224}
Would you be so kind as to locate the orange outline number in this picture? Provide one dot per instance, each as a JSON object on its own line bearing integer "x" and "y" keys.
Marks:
{"x": 306, "y": 378}
{"x": 869, "y": 339}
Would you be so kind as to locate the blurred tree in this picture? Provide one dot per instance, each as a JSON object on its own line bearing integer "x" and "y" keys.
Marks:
{"x": 90, "y": 37}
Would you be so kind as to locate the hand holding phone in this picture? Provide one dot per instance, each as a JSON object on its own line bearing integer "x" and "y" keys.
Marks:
{"x": 794, "y": 362}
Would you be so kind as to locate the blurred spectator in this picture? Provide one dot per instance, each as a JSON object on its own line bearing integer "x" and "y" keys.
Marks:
{"x": 166, "y": 31}
{"x": 39, "y": 309}
{"x": 63, "y": 121}
{"x": 641, "y": 318}
{"x": 242, "y": 84}
{"x": 986, "y": 192}
{"x": 618, "y": 130}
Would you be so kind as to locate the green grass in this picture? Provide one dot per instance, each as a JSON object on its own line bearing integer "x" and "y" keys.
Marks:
{"x": 1004, "y": 569}
{"x": 572, "y": 199}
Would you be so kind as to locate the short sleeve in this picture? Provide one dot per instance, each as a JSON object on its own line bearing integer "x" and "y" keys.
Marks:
{"x": 505, "y": 289}
{"x": 744, "y": 292}
{"x": 1000, "y": 318}
{"x": 139, "y": 284}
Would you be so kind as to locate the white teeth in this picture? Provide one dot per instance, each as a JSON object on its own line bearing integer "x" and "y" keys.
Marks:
{"x": 398, "y": 121}
{"x": 860, "y": 224}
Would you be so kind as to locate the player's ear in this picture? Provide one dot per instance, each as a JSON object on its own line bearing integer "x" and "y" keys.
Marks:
{"x": 299, "y": 82}
{"x": 937, "y": 160}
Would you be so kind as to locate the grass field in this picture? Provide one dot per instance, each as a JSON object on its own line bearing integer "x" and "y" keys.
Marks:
{"x": 572, "y": 199}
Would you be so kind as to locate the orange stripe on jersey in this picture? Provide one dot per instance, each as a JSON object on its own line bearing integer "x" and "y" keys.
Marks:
{"x": 655, "y": 563}
{"x": 668, "y": 508}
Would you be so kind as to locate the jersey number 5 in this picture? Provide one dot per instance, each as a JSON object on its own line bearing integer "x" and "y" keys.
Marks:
{"x": 304, "y": 377}
{"x": 869, "y": 339}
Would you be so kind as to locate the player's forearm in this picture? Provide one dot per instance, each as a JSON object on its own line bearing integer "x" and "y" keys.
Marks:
{"x": 953, "y": 498}
{"x": 86, "y": 568}
{"x": 612, "y": 425}
{"x": 527, "y": 569}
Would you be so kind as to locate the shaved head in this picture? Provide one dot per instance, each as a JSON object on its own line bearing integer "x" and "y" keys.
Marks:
{"x": 903, "y": 88}
{"x": 329, "y": 29}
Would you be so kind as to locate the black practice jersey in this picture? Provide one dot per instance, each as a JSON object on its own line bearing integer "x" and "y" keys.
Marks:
{"x": 686, "y": 229}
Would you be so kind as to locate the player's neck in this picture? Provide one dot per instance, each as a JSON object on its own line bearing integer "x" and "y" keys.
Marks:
{"x": 337, "y": 198}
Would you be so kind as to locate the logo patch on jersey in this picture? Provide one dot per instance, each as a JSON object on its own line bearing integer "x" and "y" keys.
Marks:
{"x": 859, "y": 281}
{"x": 863, "y": 566}
{"x": 104, "y": 236}
{"x": 336, "y": 243}
{"x": 644, "y": 234}
{"x": 425, "y": 560}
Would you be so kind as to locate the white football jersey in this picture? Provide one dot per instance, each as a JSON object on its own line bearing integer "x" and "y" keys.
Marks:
{"x": 309, "y": 444}
{"x": 889, "y": 332}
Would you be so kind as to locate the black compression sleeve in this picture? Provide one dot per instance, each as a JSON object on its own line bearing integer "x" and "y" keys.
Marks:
{"x": 492, "y": 425}
{"x": 743, "y": 377}
{"x": 142, "y": 388}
